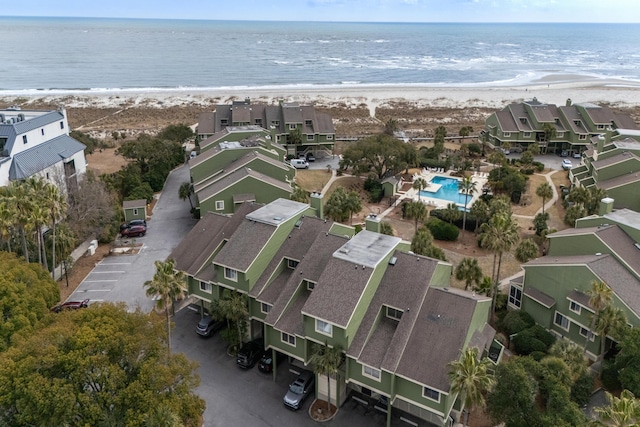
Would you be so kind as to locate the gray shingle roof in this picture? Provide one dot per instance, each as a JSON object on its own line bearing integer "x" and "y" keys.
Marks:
{"x": 245, "y": 245}
{"x": 234, "y": 178}
{"x": 539, "y": 296}
{"x": 581, "y": 298}
{"x": 616, "y": 159}
{"x": 438, "y": 336}
{"x": 132, "y": 204}
{"x": 42, "y": 156}
{"x": 206, "y": 124}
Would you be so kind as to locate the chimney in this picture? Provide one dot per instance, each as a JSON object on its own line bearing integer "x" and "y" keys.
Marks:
{"x": 316, "y": 203}
{"x": 606, "y": 206}
{"x": 568, "y": 104}
{"x": 600, "y": 144}
{"x": 372, "y": 223}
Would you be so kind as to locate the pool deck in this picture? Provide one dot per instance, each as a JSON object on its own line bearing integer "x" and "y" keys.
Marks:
{"x": 480, "y": 178}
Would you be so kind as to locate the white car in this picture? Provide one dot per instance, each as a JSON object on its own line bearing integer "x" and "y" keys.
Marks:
{"x": 566, "y": 164}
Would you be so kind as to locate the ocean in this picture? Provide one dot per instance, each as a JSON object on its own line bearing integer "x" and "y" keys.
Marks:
{"x": 70, "y": 55}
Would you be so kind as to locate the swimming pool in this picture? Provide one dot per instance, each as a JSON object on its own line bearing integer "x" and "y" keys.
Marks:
{"x": 448, "y": 190}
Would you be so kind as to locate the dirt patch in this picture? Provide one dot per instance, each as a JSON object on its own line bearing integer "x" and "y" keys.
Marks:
{"x": 319, "y": 411}
{"x": 312, "y": 180}
{"x": 105, "y": 160}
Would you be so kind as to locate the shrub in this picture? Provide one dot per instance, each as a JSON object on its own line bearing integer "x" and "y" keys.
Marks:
{"x": 516, "y": 321}
{"x": 527, "y": 171}
{"x": 581, "y": 389}
{"x": 539, "y": 166}
{"x": 537, "y": 355}
{"x": 525, "y": 343}
{"x": 501, "y": 302}
{"x": 543, "y": 335}
{"x": 610, "y": 375}
{"x": 474, "y": 148}
{"x": 442, "y": 230}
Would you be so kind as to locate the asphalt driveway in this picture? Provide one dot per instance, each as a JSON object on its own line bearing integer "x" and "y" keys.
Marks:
{"x": 120, "y": 278}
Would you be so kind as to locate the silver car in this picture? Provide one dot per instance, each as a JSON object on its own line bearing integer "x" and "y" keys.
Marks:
{"x": 299, "y": 390}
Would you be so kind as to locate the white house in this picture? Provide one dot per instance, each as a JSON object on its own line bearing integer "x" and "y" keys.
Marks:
{"x": 37, "y": 143}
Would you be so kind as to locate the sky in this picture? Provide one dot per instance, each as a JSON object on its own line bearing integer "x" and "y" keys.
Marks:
{"x": 623, "y": 11}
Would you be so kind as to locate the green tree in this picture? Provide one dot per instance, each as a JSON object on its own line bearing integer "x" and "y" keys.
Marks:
{"x": 422, "y": 244}
{"x": 26, "y": 294}
{"x": 572, "y": 355}
{"x": 299, "y": 194}
{"x": 600, "y": 296}
{"x": 549, "y": 131}
{"x": 353, "y": 205}
{"x": 417, "y": 211}
{"x": 167, "y": 286}
{"x": 480, "y": 211}
{"x": 465, "y": 131}
{"x": 526, "y": 251}
{"x": 451, "y": 213}
{"x": 610, "y": 321}
{"x": 391, "y": 126}
{"x": 102, "y": 366}
{"x": 621, "y": 412}
{"x": 419, "y": 184}
{"x": 467, "y": 186}
{"x": 627, "y": 361}
{"x": 498, "y": 235}
{"x": 386, "y": 228}
{"x": 527, "y": 158}
{"x": 185, "y": 191}
{"x": 512, "y": 400}
{"x": 540, "y": 224}
{"x": 469, "y": 270}
{"x": 56, "y": 204}
{"x": 545, "y": 192}
{"x": 175, "y": 133}
{"x": 382, "y": 155}
{"x": 233, "y": 307}
{"x": 295, "y": 137}
{"x": 470, "y": 378}
{"x": 336, "y": 206}
{"x": 326, "y": 361}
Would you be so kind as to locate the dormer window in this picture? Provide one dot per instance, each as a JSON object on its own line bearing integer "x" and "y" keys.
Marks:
{"x": 292, "y": 126}
{"x": 308, "y": 122}
{"x": 224, "y": 122}
{"x": 394, "y": 313}
{"x": 292, "y": 263}
{"x": 311, "y": 286}
{"x": 231, "y": 274}
{"x": 275, "y": 123}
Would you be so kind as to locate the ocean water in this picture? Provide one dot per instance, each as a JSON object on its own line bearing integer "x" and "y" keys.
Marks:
{"x": 79, "y": 54}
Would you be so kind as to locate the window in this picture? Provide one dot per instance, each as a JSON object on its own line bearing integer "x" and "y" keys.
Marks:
{"x": 430, "y": 393}
{"x": 24, "y": 139}
{"x": 292, "y": 263}
{"x": 515, "y": 296}
{"x": 329, "y": 137}
{"x": 3, "y": 142}
{"x": 275, "y": 123}
{"x": 575, "y": 307}
{"x": 135, "y": 211}
{"x": 324, "y": 327}
{"x": 308, "y": 122}
{"x": 42, "y": 131}
{"x": 370, "y": 372}
{"x": 224, "y": 122}
{"x": 265, "y": 308}
{"x": 231, "y": 274}
{"x": 205, "y": 287}
{"x": 311, "y": 285}
{"x": 219, "y": 205}
{"x": 585, "y": 331}
{"x": 258, "y": 122}
{"x": 600, "y": 127}
{"x": 61, "y": 125}
{"x": 582, "y": 137}
{"x": 394, "y": 313}
{"x": 562, "y": 321}
{"x": 527, "y": 134}
{"x": 507, "y": 134}
{"x": 292, "y": 126}
{"x": 310, "y": 137}
{"x": 560, "y": 134}
{"x": 288, "y": 339}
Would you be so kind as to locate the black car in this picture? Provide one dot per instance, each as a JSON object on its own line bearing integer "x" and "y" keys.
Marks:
{"x": 208, "y": 326}
{"x": 249, "y": 354}
{"x": 266, "y": 361}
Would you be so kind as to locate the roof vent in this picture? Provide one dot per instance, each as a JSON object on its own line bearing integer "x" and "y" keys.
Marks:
{"x": 637, "y": 245}
{"x": 393, "y": 259}
{"x": 598, "y": 253}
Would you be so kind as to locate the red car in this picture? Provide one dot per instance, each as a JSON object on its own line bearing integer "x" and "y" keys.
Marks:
{"x": 70, "y": 305}
{"x": 133, "y": 231}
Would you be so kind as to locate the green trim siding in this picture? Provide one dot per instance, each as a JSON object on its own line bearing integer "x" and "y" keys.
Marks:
{"x": 242, "y": 284}
{"x": 224, "y": 159}
{"x": 478, "y": 320}
{"x": 442, "y": 275}
{"x": 630, "y": 165}
{"x": 626, "y": 196}
{"x": 339, "y": 336}
{"x": 355, "y": 370}
{"x": 586, "y": 244}
{"x": 338, "y": 229}
{"x": 410, "y": 391}
{"x": 265, "y": 193}
{"x": 273, "y": 339}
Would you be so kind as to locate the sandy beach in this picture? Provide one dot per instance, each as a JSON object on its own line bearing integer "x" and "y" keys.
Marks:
{"x": 356, "y": 109}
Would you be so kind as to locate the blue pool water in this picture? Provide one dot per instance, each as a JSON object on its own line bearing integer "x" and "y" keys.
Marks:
{"x": 448, "y": 191}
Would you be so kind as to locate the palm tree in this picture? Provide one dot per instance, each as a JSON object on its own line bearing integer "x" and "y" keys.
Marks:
{"x": 419, "y": 184}
{"x": 621, "y": 412}
{"x": 467, "y": 186}
{"x": 166, "y": 287}
{"x": 6, "y": 222}
{"x": 185, "y": 191}
{"x": 352, "y": 204}
{"x": 299, "y": 194}
{"x": 470, "y": 378}
{"x": 545, "y": 192}
{"x": 162, "y": 416}
{"x": 56, "y": 204}
{"x": 480, "y": 211}
{"x": 610, "y": 321}
{"x": 417, "y": 211}
{"x": 233, "y": 307}
{"x": 600, "y": 296}
{"x": 451, "y": 213}
{"x": 469, "y": 270}
{"x": 498, "y": 235}
{"x": 526, "y": 251}
{"x": 326, "y": 361}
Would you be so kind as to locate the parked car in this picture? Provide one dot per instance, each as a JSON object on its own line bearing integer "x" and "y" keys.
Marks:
{"x": 299, "y": 163}
{"x": 249, "y": 354}
{"x": 266, "y": 361}
{"x": 207, "y": 326}
{"x": 566, "y": 164}
{"x": 311, "y": 157}
{"x": 299, "y": 390}
{"x": 71, "y": 305}
{"x": 133, "y": 222}
{"x": 577, "y": 155}
{"x": 564, "y": 153}
{"x": 133, "y": 231}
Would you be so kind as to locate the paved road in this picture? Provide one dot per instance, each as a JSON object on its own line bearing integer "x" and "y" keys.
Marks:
{"x": 121, "y": 277}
